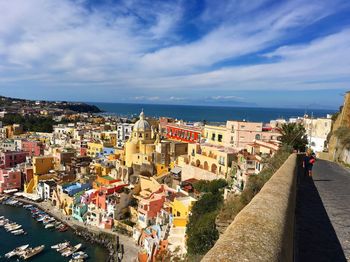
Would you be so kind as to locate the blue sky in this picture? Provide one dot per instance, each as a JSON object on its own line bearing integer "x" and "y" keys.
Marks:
{"x": 254, "y": 53}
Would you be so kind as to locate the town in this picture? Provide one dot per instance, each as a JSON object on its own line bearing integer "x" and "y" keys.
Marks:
{"x": 138, "y": 178}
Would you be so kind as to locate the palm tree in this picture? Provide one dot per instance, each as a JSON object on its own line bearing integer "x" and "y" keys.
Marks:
{"x": 293, "y": 135}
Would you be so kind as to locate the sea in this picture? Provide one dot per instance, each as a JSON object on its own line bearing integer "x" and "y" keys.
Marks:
{"x": 38, "y": 235}
{"x": 212, "y": 114}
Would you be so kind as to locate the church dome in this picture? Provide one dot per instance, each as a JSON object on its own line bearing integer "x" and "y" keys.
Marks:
{"x": 142, "y": 124}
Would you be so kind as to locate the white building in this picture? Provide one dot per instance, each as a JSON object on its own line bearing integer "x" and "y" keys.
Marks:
{"x": 124, "y": 132}
{"x": 317, "y": 130}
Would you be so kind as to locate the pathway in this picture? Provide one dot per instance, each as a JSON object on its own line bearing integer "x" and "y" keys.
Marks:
{"x": 323, "y": 214}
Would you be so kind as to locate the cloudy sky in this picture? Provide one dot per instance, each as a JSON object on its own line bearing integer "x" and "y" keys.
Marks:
{"x": 265, "y": 53}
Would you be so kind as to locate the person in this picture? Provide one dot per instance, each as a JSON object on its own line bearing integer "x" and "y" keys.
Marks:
{"x": 308, "y": 162}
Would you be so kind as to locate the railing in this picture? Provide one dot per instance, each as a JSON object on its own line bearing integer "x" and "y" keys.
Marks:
{"x": 263, "y": 230}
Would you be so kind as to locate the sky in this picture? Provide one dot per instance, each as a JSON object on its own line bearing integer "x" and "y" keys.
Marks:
{"x": 217, "y": 52}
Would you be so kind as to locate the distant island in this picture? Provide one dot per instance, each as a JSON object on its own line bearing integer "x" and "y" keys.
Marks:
{"x": 9, "y": 104}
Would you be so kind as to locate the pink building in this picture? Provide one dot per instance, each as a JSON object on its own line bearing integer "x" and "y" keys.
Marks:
{"x": 241, "y": 133}
{"x": 10, "y": 159}
{"x": 149, "y": 208}
{"x": 9, "y": 179}
{"x": 33, "y": 148}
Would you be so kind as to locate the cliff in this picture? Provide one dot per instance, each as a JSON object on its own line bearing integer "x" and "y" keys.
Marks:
{"x": 337, "y": 150}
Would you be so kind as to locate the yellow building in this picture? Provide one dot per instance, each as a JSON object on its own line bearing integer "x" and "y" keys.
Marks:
{"x": 94, "y": 149}
{"x": 102, "y": 169}
{"x": 181, "y": 208}
{"x": 42, "y": 164}
{"x": 215, "y": 135}
{"x": 141, "y": 145}
{"x": 41, "y": 167}
{"x": 211, "y": 158}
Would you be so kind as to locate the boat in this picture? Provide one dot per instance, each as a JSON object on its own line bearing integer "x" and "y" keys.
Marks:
{"x": 18, "y": 232}
{"x": 49, "y": 225}
{"x": 76, "y": 260}
{"x": 32, "y": 252}
{"x": 12, "y": 228}
{"x": 15, "y": 251}
{"x": 79, "y": 255}
{"x": 41, "y": 218}
{"x": 60, "y": 246}
{"x": 48, "y": 220}
{"x": 71, "y": 250}
{"x": 63, "y": 228}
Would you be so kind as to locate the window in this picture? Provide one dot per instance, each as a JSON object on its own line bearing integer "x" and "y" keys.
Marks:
{"x": 213, "y": 136}
{"x": 220, "y": 138}
{"x": 257, "y": 137}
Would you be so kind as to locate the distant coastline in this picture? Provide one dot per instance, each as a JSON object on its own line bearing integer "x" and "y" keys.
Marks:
{"x": 210, "y": 113}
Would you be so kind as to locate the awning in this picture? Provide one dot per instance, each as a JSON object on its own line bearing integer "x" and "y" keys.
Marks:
{"x": 176, "y": 170}
{"x": 8, "y": 191}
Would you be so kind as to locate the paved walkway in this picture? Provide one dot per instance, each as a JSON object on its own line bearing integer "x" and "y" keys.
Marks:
{"x": 323, "y": 214}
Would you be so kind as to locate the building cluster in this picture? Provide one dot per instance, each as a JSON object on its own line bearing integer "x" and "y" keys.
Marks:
{"x": 137, "y": 177}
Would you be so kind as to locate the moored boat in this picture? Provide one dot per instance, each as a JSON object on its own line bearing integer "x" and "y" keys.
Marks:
{"x": 32, "y": 252}
{"x": 71, "y": 250}
{"x": 79, "y": 255}
{"x": 47, "y": 226}
{"x": 15, "y": 251}
{"x": 60, "y": 246}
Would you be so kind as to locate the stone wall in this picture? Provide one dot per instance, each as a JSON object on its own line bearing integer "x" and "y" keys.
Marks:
{"x": 263, "y": 230}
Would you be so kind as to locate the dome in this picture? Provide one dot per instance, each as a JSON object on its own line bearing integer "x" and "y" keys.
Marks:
{"x": 142, "y": 124}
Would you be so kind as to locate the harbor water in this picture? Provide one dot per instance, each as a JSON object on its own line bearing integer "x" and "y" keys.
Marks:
{"x": 38, "y": 235}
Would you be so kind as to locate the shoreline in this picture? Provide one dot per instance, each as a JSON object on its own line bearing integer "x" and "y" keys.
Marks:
{"x": 128, "y": 249}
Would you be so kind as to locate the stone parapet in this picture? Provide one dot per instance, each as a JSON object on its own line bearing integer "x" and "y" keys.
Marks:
{"x": 263, "y": 230}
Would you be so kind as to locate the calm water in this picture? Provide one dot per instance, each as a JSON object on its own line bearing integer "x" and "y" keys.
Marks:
{"x": 209, "y": 113}
{"x": 38, "y": 235}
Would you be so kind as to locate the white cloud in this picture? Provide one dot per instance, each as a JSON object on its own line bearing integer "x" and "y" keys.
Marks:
{"x": 137, "y": 45}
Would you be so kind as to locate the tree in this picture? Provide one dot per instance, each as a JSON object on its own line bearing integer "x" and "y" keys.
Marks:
{"x": 210, "y": 186}
{"x": 293, "y": 135}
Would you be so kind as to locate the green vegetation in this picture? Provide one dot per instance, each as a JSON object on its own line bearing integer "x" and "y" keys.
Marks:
{"x": 210, "y": 186}
{"x": 201, "y": 229}
{"x": 235, "y": 204}
{"x": 30, "y": 123}
{"x": 80, "y": 108}
{"x": 294, "y": 135}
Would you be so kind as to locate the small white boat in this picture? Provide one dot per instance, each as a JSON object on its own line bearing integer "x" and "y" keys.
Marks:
{"x": 18, "y": 232}
{"x": 47, "y": 226}
{"x": 16, "y": 251}
{"x": 70, "y": 251}
{"x": 79, "y": 255}
{"x": 32, "y": 252}
{"x": 13, "y": 228}
{"x": 60, "y": 246}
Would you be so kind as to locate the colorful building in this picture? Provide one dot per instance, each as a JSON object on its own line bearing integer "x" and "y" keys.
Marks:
{"x": 184, "y": 133}
{"x": 10, "y": 159}
{"x": 181, "y": 208}
{"x": 10, "y": 179}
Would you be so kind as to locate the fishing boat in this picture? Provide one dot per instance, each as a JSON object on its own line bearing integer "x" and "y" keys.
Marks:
{"x": 12, "y": 228}
{"x": 32, "y": 252}
{"x": 76, "y": 260}
{"x": 48, "y": 220}
{"x": 60, "y": 246}
{"x": 63, "y": 228}
{"x": 47, "y": 226}
{"x": 15, "y": 251}
{"x": 41, "y": 218}
{"x": 79, "y": 255}
{"x": 71, "y": 250}
{"x": 18, "y": 232}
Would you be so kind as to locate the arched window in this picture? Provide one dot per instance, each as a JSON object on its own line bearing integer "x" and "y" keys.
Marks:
{"x": 257, "y": 137}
